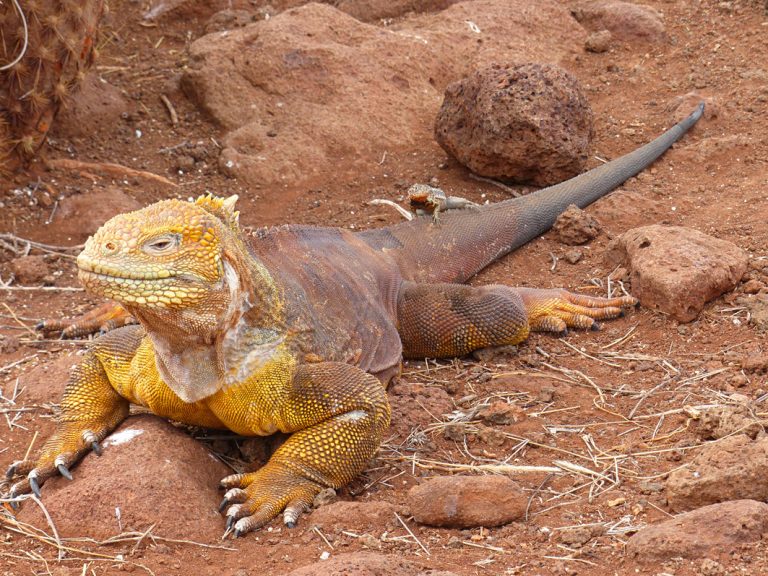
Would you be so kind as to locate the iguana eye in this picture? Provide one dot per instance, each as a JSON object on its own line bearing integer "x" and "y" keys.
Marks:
{"x": 164, "y": 244}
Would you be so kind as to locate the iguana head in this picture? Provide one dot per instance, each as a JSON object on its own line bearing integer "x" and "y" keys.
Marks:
{"x": 176, "y": 265}
{"x": 211, "y": 309}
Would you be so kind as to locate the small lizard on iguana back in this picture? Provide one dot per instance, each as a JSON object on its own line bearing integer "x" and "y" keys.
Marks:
{"x": 422, "y": 199}
{"x": 298, "y": 329}
{"x": 426, "y": 199}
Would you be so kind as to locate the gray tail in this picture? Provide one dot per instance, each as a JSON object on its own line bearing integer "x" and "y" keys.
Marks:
{"x": 466, "y": 241}
{"x": 582, "y": 190}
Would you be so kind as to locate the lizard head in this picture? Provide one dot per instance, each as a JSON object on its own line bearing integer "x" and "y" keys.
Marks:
{"x": 183, "y": 263}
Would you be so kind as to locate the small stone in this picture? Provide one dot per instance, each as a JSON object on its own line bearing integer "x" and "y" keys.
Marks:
{"x": 752, "y": 286}
{"x": 500, "y": 412}
{"x": 184, "y": 163}
{"x": 755, "y": 362}
{"x": 573, "y": 256}
{"x": 455, "y": 432}
{"x": 467, "y": 501}
{"x": 647, "y": 487}
{"x": 29, "y": 270}
{"x": 491, "y": 436}
{"x": 598, "y": 42}
{"x": 575, "y": 226}
{"x": 370, "y": 541}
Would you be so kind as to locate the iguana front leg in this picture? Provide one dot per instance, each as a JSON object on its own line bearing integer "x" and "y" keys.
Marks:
{"x": 444, "y": 320}
{"x": 337, "y": 414}
{"x": 103, "y": 318}
{"x": 90, "y": 410}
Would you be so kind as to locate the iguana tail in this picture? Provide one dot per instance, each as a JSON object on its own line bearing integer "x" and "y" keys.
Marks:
{"x": 466, "y": 241}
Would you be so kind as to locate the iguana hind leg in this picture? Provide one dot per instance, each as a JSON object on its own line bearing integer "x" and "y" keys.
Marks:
{"x": 443, "y": 320}
{"x": 338, "y": 415}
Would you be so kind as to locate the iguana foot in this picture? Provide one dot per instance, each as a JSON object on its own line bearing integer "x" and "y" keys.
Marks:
{"x": 255, "y": 498}
{"x": 557, "y": 310}
{"x": 58, "y": 456}
{"x": 104, "y": 318}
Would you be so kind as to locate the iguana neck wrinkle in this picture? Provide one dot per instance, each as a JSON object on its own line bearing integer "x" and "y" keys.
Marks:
{"x": 199, "y": 352}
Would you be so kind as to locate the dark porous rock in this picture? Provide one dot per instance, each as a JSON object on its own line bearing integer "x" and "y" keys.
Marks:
{"x": 527, "y": 123}
{"x": 29, "y": 269}
{"x": 575, "y": 226}
{"x": 677, "y": 270}
{"x": 467, "y": 501}
{"x": 713, "y": 530}
{"x": 733, "y": 468}
{"x": 624, "y": 20}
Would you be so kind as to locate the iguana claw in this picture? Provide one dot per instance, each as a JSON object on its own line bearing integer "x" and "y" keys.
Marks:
{"x": 33, "y": 484}
{"x": 64, "y": 471}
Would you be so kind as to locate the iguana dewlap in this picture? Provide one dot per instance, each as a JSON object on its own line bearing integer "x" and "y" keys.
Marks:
{"x": 295, "y": 328}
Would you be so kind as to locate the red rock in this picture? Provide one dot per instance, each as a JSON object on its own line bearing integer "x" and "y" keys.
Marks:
{"x": 675, "y": 269}
{"x": 154, "y": 473}
{"x": 526, "y": 123}
{"x": 575, "y": 226}
{"x": 733, "y": 468}
{"x": 80, "y": 216}
{"x": 366, "y": 564}
{"x": 359, "y": 516}
{"x": 467, "y": 501}
{"x": 624, "y": 20}
{"x": 598, "y": 42}
{"x": 29, "y": 270}
{"x": 311, "y": 75}
{"x": 500, "y": 412}
{"x": 709, "y": 531}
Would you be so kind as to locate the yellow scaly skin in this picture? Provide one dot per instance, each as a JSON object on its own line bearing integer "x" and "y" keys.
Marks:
{"x": 225, "y": 343}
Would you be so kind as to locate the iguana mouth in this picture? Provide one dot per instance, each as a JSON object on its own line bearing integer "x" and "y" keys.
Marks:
{"x": 108, "y": 271}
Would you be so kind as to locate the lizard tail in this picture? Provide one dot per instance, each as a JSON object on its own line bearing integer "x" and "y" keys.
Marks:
{"x": 466, "y": 241}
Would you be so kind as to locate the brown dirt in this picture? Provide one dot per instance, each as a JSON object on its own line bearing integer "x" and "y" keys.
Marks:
{"x": 715, "y": 181}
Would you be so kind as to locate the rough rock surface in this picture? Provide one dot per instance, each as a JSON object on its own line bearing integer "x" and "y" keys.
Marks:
{"x": 359, "y": 516}
{"x": 80, "y": 216}
{"x": 174, "y": 468}
{"x": 598, "y": 42}
{"x": 624, "y": 20}
{"x": 29, "y": 269}
{"x": 722, "y": 421}
{"x": 527, "y": 123}
{"x": 467, "y": 501}
{"x": 366, "y": 564}
{"x": 575, "y": 226}
{"x": 709, "y": 531}
{"x": 733, "y": 468}
{"x": 676, "y": 269}
{"x": 295, "y": 92}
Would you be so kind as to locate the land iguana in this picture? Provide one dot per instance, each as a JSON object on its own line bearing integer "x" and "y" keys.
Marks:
{"x": 298, "y": 329}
